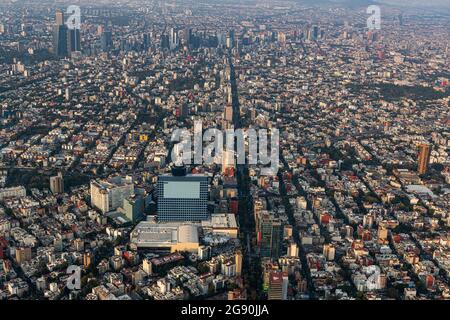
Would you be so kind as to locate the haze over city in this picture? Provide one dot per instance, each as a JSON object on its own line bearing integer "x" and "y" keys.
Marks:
{"x": 224, "y": 150}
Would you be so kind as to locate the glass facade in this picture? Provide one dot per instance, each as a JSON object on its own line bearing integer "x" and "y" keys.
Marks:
{"x": 183, "y": 198}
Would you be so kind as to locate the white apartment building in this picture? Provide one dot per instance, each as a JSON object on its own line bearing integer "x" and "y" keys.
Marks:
{"x": 108, "y": 195}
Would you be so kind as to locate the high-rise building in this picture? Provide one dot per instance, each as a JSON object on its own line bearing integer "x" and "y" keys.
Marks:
{"x": 57, "y": 184}
{"x": 182, "y": 197}
{"x": 278, "y": 285}
{"x": 60, "y": 41}
{"x": 134, "y": 207}
{"x": 315, "y": 32}
{"x": 271, "y": 235}
{"x": 109, "y": 194}
{"x": 424, "y": 158}
{"x": 59, "y": 18}
{"x": 60, "y": 36}
{"x": 165, "y": 41}
{"x": 229, "y": 42}
{"x": 106, "y": 40}
{"x": 146, "y": 41}
{"x": 187, "y": 36}
{"x": 73, "y": 40}
{"x": 173, "y": 39}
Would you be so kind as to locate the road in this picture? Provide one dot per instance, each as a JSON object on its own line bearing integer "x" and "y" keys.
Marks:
{"x": 251, "y": 273}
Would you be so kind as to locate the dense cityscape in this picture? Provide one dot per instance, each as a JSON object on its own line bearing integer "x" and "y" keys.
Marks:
{"x": 94, "y": 205}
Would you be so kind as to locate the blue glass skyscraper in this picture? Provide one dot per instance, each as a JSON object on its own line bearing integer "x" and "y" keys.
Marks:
{"x": 182, "y": 198}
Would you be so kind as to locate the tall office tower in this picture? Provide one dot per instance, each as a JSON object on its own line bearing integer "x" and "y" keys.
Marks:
{"x": 173, "y": 39}
{"x": 424, "y": 158}
{"x": 134, "y": 207}
{"x": 228, "y": 113}
{"x": 187, "y": 36}
{"x": 229, "y": 42}
{"x": 59, "y": 18}
{"x": 182, "y": 197}
{"x": 232, "y": 36}
{"x": 292, "y": 249}
{"x": 57, "y": 184}
{"x": 271, "y": 235}
{"x": 278, "y": 285}
{"x": 60, "y": 36}
{"x": 400, "y": 19}
{"x": 165, "y": 41}
{"x": 109, "y": 194}
{"x": 146, "y": 41}
{"x": 315, "y": 32}
{"x": 106, "y": 40}
{"x": 60, "y": 41}
{"x": 73, "y": 40}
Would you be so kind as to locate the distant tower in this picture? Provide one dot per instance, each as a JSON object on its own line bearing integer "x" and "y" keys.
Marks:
{"x": 106, "y": 40}
{"x": 60, "y": 36}
{"x": 173, "y": 40}
{"x": 57, "y": 184}
{"x": 73, "y": 40}
{"x": 400, "y": 19}
{"x": 59, "y": 18}
{"x": 424, "y": 158}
